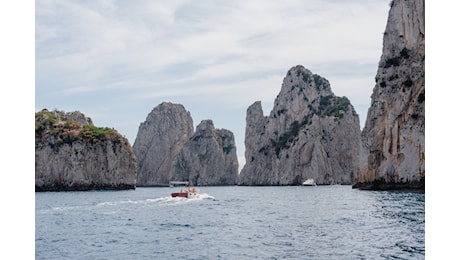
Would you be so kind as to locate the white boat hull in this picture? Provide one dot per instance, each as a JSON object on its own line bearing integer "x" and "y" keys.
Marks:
{"x": 309, "y": 182}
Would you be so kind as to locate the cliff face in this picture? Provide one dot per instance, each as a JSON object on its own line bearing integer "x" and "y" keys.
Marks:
{"x": 393, "y": 139}
{"x": 72, "y": 154}
{"x": 208, "y": 158}
{"x": 310, "y": 133}
{"x": 159, "y": 140}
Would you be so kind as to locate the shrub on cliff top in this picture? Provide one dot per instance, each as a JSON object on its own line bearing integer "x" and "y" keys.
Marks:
{"x": 48, "y": 123}
{"x": 92, "y": 132}
{"x": 44, "y": 119}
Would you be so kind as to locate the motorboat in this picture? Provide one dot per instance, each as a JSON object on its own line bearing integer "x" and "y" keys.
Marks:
{"x": 188, "y": 192}
{"x": 309, "y": 182}
{"x": 185, "y": 192}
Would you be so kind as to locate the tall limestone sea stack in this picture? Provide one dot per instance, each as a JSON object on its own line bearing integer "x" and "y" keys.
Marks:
{"x": 208, "y": 158}
{"x": 72, "y": 154}
{"x": 393, "y": 139}
{"x": 159, "y": 140}
{"x": 167, "y": 149}
{"x": 310, "y": 133}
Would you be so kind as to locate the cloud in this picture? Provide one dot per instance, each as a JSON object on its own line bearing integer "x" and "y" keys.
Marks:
{"x": 97, "y": 40}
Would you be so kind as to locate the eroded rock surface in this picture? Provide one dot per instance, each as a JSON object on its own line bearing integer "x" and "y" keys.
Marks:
{"x": 72, "y": 154}
{"x": 159, "y": 140}
{"x": 168, "y": 149}
{"x": 310, "y": 133}
{"x": 393, "y": 139}
{"x": 208, "y": 158}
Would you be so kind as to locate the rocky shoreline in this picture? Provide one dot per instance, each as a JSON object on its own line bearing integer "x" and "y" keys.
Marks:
{"x": 57, "y": 187}
{"x": 384, "y": 185}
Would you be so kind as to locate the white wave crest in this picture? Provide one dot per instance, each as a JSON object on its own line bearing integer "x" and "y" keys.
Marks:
{"x": 160, "y": 201}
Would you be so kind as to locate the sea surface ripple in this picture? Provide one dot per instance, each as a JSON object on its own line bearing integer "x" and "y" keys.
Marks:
{"x": 323, "y": 222}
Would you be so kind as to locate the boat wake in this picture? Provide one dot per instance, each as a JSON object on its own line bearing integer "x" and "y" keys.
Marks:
{"x": 201, "y": 196}
{"x": 205, "y": 196}
{"x": 160, "y": 201}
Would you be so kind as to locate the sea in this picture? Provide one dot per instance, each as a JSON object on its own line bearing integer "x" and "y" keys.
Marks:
{"x": 231, "y": 222}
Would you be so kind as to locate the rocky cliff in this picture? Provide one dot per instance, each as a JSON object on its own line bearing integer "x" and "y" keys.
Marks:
{"x": 393, "y": 152}
{"x": 208, "y": 158}
{"x": 72, "y": 154}
{"x": 310, "y": 133}
{"x": 159, "y": 140}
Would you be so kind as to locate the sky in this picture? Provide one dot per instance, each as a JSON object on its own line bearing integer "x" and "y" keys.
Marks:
{"x": 115, "y": 61}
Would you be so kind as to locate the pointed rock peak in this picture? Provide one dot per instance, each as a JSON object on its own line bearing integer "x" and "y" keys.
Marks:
{"x": 300, "y": 78}
{"x": 255, "y": 110}
{"x": 167, "y": 107}
{"x": 256, "y": 105}
{"x": 299, "y": 68}
{"x": 204, "y": 125}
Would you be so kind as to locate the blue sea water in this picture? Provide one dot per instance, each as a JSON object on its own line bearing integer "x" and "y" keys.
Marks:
{"x": 323, "y": 222}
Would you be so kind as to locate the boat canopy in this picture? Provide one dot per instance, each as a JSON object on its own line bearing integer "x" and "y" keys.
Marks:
{"x": 174, "y": 183}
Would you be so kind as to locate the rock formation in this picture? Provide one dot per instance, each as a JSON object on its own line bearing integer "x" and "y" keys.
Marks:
{"x": 167, "y": 149}
{"x": 72, "y": 154}
{"x": 393, "y": 139}
{"x": 310, "y": 133}
{"x": 159, "y": 140}
{"x": 208, "y": 158}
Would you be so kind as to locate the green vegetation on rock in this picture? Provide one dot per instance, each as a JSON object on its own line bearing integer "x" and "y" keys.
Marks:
{"x": 396, "y": 61}
{"x": 54, "y": 123}
{"x": 91, "y": 132}
{"x": 330, "y": 106}
{"x": 227, "y": 149}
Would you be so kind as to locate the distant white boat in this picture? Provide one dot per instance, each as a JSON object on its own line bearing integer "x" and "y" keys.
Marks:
{"x": 309, "y": 182}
